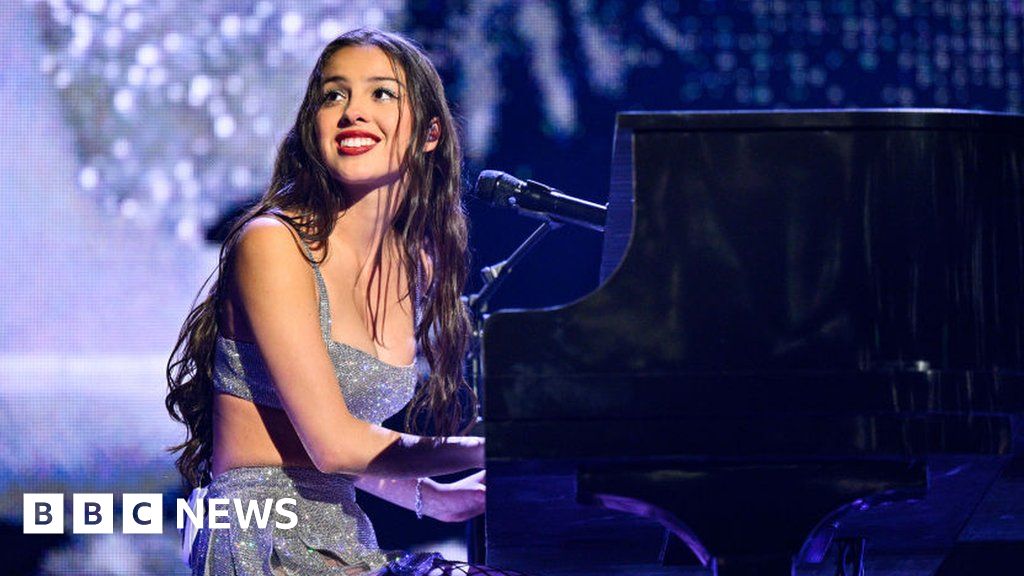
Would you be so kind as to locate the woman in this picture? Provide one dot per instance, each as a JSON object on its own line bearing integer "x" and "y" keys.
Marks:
{"x": 353, "y": 260}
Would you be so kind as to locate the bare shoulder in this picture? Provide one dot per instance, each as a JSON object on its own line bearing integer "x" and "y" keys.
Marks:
{"x": 268, "y": 255}
{"x": 266, "y": 236}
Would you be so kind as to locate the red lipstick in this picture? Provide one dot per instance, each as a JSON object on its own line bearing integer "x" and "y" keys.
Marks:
{"x": 355, "y": 150}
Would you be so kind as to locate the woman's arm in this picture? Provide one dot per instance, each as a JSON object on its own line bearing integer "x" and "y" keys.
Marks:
{"x": 399, "y": 491}
{"x": 278, "y": 294}
{"x": 454, "y": 502}
{"x": 411, "y": 456}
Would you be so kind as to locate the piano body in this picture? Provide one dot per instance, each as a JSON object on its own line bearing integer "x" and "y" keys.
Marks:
{"x": 806, "y": 348}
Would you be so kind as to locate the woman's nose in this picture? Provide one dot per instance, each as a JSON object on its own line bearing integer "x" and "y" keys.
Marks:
{"x": 354, "y": 112}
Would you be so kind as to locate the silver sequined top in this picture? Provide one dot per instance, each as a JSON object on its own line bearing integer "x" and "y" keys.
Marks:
{"x": 373, "y": 389}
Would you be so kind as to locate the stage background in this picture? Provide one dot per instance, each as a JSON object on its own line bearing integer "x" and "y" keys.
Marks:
{"x": 131, "y": 127}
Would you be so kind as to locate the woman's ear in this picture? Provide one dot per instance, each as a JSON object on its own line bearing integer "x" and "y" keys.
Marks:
{"x": 433, "y": 135}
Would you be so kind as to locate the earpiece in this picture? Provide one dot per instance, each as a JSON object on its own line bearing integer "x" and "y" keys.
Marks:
{"x": 434, "y": 133}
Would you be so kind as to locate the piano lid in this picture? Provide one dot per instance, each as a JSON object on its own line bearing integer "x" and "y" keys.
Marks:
{"x": 811, "y": 240}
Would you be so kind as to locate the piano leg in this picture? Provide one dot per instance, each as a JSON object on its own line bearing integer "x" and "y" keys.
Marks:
{"x": 746, "y": 519}
{"x": 850, "y": 557}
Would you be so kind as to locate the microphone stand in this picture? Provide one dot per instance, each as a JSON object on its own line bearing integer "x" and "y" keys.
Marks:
{"x": 493, "y": 276}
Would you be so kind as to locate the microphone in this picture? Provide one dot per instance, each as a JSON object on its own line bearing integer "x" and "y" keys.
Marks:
{"x": 536, "y": 200}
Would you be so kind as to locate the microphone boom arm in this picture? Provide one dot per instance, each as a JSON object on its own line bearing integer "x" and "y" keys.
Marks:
{"x": 552, "y": 205}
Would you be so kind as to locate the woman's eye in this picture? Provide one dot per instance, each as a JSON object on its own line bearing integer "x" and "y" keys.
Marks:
{"x": 333, "y": 96}
{"x": 384, "y": 94}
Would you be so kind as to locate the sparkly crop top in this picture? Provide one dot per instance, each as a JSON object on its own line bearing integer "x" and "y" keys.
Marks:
{"x": 373, "y": 389}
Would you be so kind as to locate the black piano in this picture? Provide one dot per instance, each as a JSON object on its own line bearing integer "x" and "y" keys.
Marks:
{"x": 805, "y": 356}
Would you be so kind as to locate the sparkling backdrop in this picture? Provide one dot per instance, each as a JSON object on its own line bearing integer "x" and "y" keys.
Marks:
{"x": 178, "y": 105}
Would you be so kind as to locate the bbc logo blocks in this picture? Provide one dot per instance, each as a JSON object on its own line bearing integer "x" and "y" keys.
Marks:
{"x": 142, "y": 513}
{"x": 43, "y": 514}
{"x": 92, "y": 514}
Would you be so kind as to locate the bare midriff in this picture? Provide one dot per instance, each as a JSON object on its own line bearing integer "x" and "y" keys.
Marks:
{"x": 245, "y": 434}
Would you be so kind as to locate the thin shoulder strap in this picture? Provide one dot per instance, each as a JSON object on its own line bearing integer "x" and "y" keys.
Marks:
{"x": 417, "y": 299}
{"x": 323, "y": 303}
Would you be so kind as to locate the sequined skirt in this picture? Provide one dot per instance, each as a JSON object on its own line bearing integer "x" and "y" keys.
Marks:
{"x": 333, "y": 536}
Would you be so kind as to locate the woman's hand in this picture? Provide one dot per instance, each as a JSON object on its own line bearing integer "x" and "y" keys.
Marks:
{"x": 457, "y": 501}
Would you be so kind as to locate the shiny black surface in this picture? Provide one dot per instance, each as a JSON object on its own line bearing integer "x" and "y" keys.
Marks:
{"x": 815, "y": 248}
{"x": 792, "y": 287}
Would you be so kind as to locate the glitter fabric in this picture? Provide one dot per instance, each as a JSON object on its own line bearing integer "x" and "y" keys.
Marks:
{"x": 332, "y": 537}
{"x": 373, "y": 390}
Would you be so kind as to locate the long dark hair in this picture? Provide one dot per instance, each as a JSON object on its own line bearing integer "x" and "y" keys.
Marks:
{"x": 429, "y": 219}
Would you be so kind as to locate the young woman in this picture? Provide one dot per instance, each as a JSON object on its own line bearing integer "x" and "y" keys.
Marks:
{"x": 352, "y": 262}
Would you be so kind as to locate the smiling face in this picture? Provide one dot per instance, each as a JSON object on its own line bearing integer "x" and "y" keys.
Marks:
{"x": 364, "y": 123}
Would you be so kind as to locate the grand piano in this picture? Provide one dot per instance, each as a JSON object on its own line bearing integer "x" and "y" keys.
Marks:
{"x": 805, "y": 356}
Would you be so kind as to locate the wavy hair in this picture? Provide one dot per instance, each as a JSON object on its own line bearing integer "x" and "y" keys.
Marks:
{"x": 429, "y": 219}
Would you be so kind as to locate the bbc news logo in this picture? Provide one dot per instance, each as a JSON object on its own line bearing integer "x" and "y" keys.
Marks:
{"x": 143, "y": 513}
